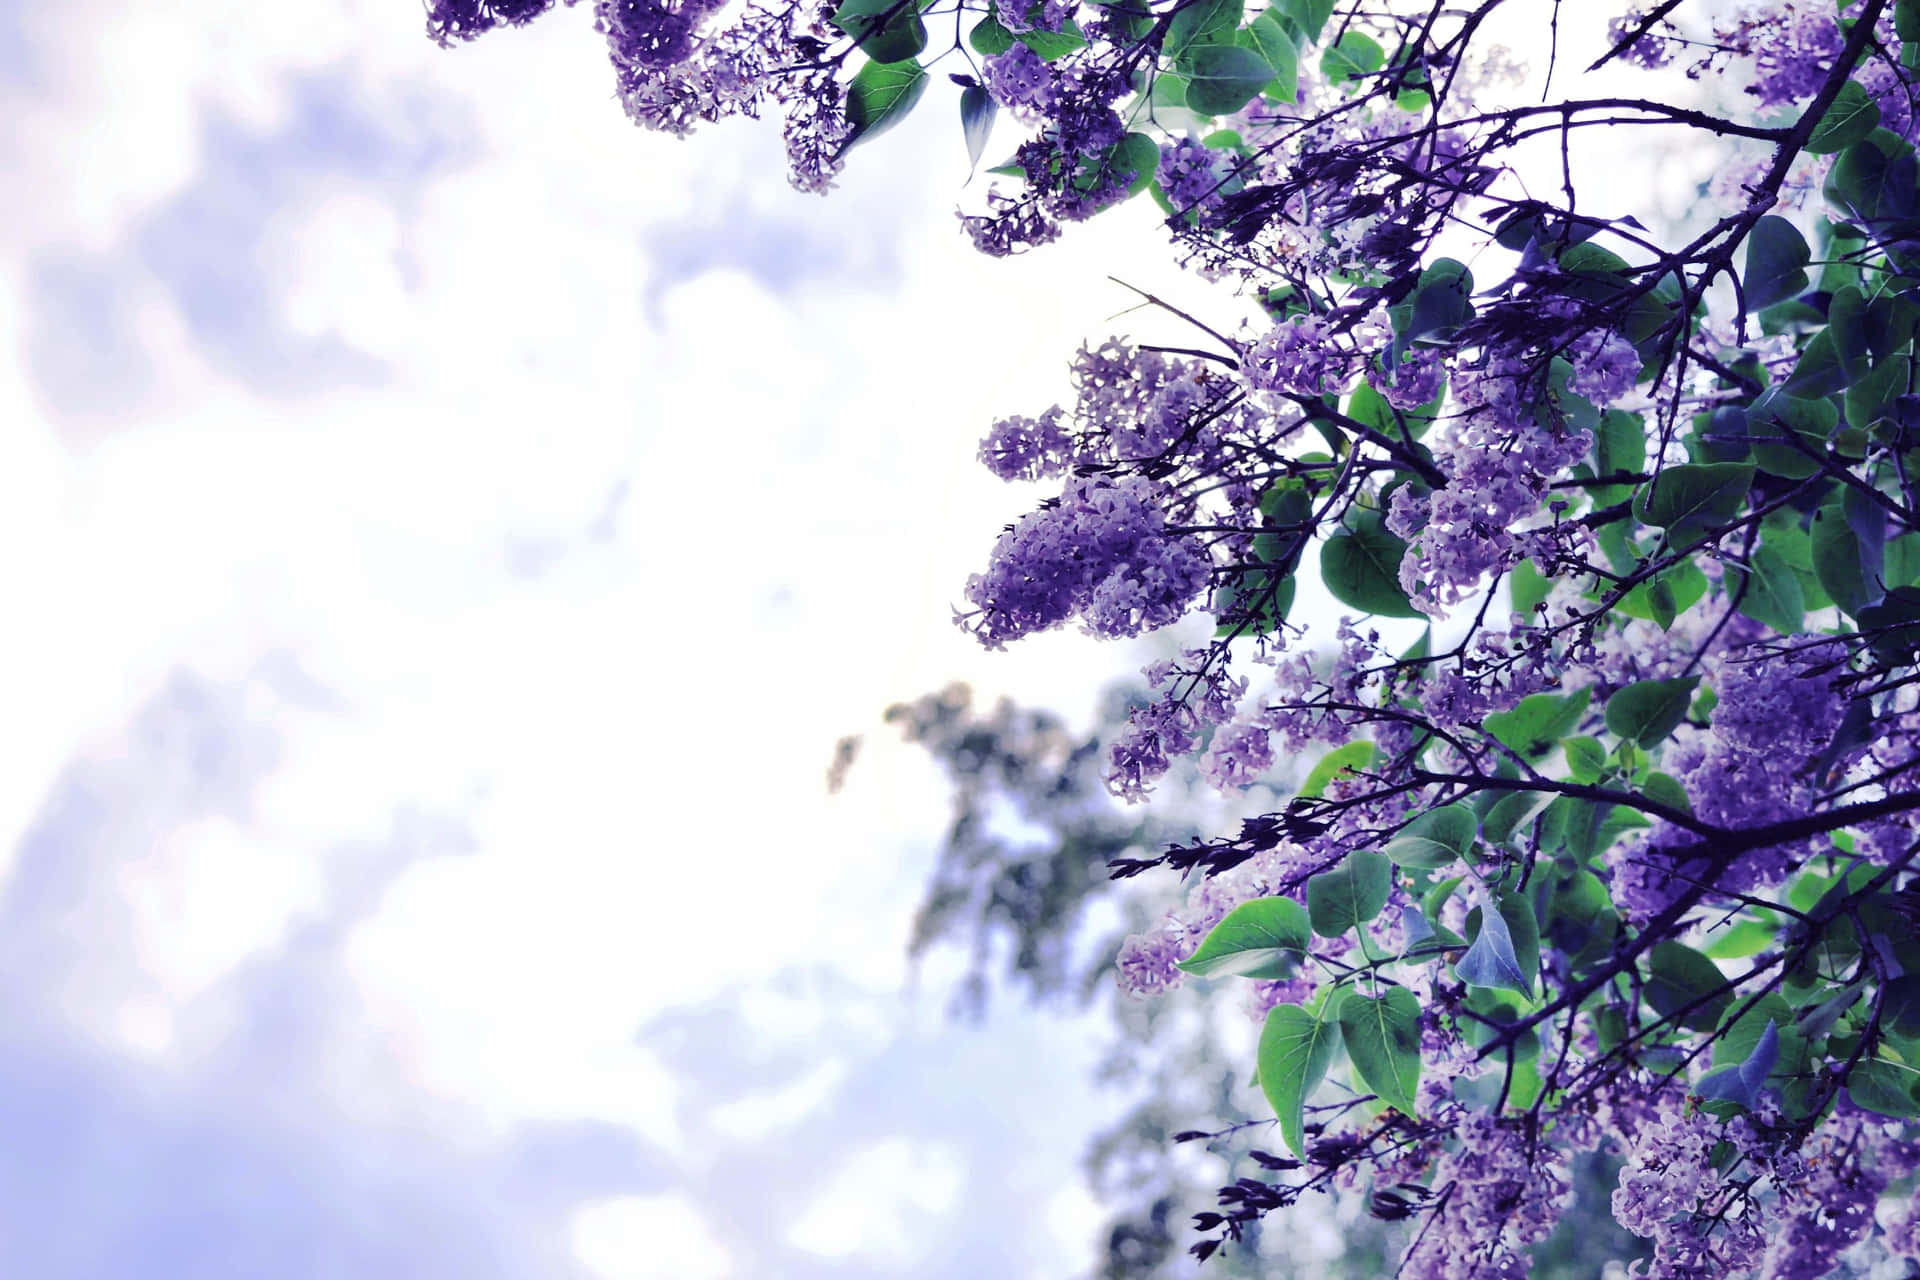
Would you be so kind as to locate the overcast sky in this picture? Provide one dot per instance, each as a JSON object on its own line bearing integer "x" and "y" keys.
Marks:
{"x": 447, "y": 530}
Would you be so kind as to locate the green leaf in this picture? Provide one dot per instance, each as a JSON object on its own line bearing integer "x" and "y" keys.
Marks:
{"x": 1789, "y": 434}
{"x": 1677, "y": 976}
{"x": 1747, "y": 937}
{"x": 1262, "y": 938}
{"x": 1847, "y": 322}
{"x": 1586, "y": 759}
{"x": 1505, "y": 949}
{"x": 1349, "y": 895}
{"x": 1847, "y": 565}
{"x": 1513, "y": 813}
{"x": 1295, "y": 1049}
{"x": 1646, "y": 712}
{"x": 1871, "y": 396}
{"x": 1540, "y": 720}
{"x": 1201, "y": 22}
{"x": 1853, "y": 115}
{"x": 1664, "y": 788}
{"x": 1739, "y": 1034}
{"x": 1360, "y": 565}
{"x": 901, "y": 36}
{"x": 1337, "y": 763}
{"x": 1619, "y": 448}
{"x": 1873, "y": 181}
{"x": 1269, "y": 38}
{"x": 977, "y": 110}
{"x": 1689, "y": 500}
{"x": 880, "y": 96}
{"x": 1892, "y": 626}
{"x": 989, "y": 38}
{"x": 1818, "y": 373}
{"x": 1885, "y": 1087}
{"x": 1527, "y": 587}
{"x": 1222, "y": 78}
{"x": 1769, "y": 591}
{"x": 1135, "y": 154}
{"x": 1309, "y": 17}
{"x": 1740, "y": 1082}
{"x": 1354, "y": 57}
{"x": 1383, "y": 1041}
{"x": 1435, "y": 838}
{"x": 1441, "y": 301}
{"x": 1777, "y": 256}
{"x": 1670, "y": 593}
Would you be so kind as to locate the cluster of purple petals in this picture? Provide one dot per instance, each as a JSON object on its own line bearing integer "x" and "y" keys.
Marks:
{"x": 1649, "y": 51}
{"x": 1100, "y": 551}
{"x": 1605, "y": 367}
{"x": 1190, "y": 176}
{"x": 1507, "y": 1192}
{"x": 1012, "y": 224}
{"x": 1195, "y": 693}
{"x": 1499, "y": 462}
{"x": 1792, "y": 46}
{"x": 1299, "y": 356}
{"x": 816, "y": 130}
{"x": 1147, "y": 962}
{"x": 1022, "y": 16}
{"x": 1239, "y": 755}
{"x": 1773, "y": 719}
{"x": 1020, "y": 81}
{"x": 649, "y": 33}
{"x": 450, "y": 20}
{"x": 1413, "y": 382}
{"x": 1021, "y": 448}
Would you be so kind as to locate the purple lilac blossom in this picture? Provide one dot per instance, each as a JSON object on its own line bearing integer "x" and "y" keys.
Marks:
{"x": 1499, "y": 459}
{"x": 1190, "y": 176}
{"x": 1238, "y": 756}
{"x": 1298, "y": 356}
{"x": 1507, "y": 1192}
{"x": 1100, "y": 551}
{"x": 1021, "y": 82}
{"x": 1414, "y": 382}
{"x": 450, "y": 20}
{"x": 1605, "y": 366}
{"x": 1793, "y": 46}
{"x": 1650, "y": 51}
{"x": 1020, "y": 448}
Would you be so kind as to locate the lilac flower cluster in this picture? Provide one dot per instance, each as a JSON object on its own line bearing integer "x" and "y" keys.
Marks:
{"x": 1311, "y": 355}
{"x": 1101, "y": 551}
{"x": 1605, "y": 367}
{"x": 1190, "y": 175}
{"x": 450, "y": 20}
{"x": 1413, "y": 382}
{"x": 1020, "y": 82}
{"x": 1196, "y": 693}
{"x": 1649, "y": 51}
{"x": 1499, "y": 459}
{"x": 1504, "y": 1192}
{"x": 1792, "y": 45}
{"x": 1020, "y": 448}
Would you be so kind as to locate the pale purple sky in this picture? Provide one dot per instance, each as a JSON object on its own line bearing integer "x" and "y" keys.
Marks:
{"x": 449, "y": 530}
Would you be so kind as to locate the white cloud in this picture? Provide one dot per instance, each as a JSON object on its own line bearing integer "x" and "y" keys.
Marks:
{"x": 875, "y": 1204}
{"x": 648, "y": 1238}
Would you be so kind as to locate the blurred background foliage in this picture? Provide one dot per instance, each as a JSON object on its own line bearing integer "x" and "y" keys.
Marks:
{"x": 1021, "y": 887}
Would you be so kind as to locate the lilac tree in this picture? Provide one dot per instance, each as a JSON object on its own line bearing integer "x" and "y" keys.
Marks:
{"x": 1609, "y": 844}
